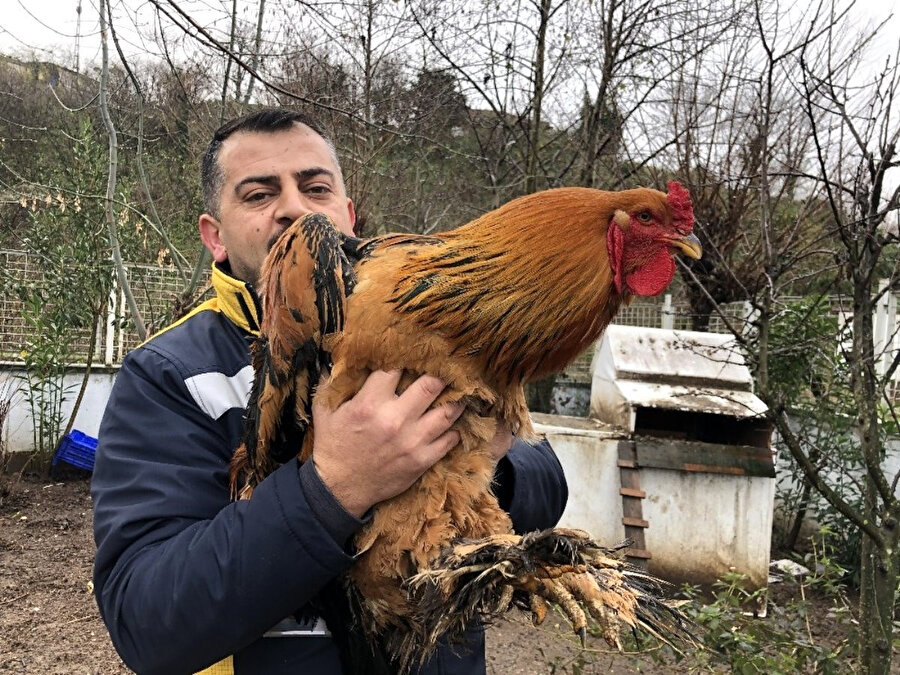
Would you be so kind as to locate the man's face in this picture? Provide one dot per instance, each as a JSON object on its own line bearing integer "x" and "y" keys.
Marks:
{"x": 271, "y": 180}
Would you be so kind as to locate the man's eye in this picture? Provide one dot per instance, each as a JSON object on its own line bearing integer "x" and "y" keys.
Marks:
{"x": 319, "y": 189}
{"x": 256, "y": 196}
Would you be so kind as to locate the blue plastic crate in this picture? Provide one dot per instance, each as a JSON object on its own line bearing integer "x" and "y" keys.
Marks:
{"x": 77, "y": 449}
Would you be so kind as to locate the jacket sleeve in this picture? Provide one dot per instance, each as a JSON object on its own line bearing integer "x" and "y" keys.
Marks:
{"x": 531, "y": 486}
{"x": 183, "y": 576}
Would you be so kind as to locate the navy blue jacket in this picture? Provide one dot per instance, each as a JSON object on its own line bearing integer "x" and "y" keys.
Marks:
{"x": 183, "y": 576}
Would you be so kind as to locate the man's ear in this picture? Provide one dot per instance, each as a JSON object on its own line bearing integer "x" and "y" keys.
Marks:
{"x": 351, "y": 210}
{"x": 210, "y": 236}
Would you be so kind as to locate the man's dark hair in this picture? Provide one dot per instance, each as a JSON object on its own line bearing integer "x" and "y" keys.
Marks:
{"x": 268, "y": 120}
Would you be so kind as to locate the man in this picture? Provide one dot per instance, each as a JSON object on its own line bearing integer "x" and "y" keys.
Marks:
{"x": 185, "y": 578}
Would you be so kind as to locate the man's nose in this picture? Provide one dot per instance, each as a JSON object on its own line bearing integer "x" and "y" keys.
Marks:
{"x": 292, "y": 204}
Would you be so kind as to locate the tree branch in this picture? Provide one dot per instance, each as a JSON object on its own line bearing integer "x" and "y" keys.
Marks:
{"x": 111, "y": 182}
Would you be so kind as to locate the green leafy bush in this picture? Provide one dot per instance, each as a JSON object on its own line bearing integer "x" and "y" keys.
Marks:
{"x": 782, "y": 642}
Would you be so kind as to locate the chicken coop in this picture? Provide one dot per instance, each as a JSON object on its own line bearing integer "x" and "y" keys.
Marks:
{"x": 675, "y": 455}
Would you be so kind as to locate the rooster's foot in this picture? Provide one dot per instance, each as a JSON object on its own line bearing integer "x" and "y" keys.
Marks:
{"x": 561, "y": 567}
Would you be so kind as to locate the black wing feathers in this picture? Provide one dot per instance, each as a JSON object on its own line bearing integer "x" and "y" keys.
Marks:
{"x": 306, "y": 283}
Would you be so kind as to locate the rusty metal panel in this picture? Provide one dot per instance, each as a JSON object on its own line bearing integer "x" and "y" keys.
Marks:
{"x": 657, "y": 355}
{"x": 691, "y": 398}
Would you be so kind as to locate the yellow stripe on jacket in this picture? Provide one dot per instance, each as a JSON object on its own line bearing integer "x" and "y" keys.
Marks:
{"x": 223, "y": 667}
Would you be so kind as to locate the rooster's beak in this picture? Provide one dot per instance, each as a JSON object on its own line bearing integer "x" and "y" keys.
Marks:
{"x": 689, "y": 245}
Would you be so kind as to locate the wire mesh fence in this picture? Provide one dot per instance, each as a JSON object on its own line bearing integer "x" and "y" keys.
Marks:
{"x": 157, "y": 292}
{"x": 13, "y": 329}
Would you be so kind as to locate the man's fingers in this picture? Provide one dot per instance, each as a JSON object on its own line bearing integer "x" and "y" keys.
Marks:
{"x": 435, "y": 423}
{"x": 380, "y": 385}
{"x": 419, "y": 396}
{"x": 435, "y": 451}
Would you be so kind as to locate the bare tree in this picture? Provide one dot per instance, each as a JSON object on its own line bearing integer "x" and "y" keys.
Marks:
{"x": 111, "y": 184}
{"x": 512, "y": 65}
{"x": 740, "y": 144}
{"x": 848, "y": 171}
{"x": 856, "y": 132}
{"x": 635, "y": 50}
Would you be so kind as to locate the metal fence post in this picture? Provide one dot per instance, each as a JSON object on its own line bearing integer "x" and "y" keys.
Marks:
{"x": 668, "y": 317}
{"x": 121, "y": 322}
{"x": 885, "y": 318}
{"x": 748, "y": 316}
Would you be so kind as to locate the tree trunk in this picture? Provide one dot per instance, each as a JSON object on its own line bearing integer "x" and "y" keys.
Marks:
{"x": 790, "y": 541}
{"x": 254, "y": 57}
{"x": 878, "y": 569}
{"x": 89, "y": 362}
{"x": 878, "y": 583}
{"x": 537, "y": 99}
{"x": 139, "y": 325}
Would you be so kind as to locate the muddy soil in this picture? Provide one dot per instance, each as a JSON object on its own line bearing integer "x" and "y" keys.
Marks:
{"x": 50, "y": 624}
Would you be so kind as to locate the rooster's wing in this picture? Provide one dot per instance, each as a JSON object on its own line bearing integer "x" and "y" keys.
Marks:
{"x": 308, "y": 278}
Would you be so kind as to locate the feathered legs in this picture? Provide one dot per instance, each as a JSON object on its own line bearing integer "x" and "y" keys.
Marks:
{"x": 561, "y": 567}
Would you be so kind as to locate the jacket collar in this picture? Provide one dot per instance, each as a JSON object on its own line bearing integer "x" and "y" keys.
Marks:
{"x": 237, "y": 300}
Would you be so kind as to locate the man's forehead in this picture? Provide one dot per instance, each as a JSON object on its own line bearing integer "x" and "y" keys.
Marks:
{"x": 297, "y": 146}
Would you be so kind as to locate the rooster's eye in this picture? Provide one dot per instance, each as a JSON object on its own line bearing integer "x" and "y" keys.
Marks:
{"x": 644, "y": 216}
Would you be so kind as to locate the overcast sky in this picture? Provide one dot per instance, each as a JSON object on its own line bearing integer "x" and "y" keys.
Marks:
{"x": 52, "y": 25}
{"x": 48, "y": 28}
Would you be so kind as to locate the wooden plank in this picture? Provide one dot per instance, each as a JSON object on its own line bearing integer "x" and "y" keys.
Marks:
{"x": 638, "y": 553}
{"x": 707, "y": 468}
{"x": 627, "y": 450}
{"x": 631, "y": 492}
{"x": 630, "y": 478}
{"x": 631, "y": 508}
{"x": 735, "y": 460}
{"x": 635, "y": 522}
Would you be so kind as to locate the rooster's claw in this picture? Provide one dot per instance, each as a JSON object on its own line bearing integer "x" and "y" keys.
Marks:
{"x": 564, "y": 567}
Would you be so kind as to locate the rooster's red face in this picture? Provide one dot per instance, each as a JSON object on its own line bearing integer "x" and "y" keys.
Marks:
{"x": 643, "y": 241}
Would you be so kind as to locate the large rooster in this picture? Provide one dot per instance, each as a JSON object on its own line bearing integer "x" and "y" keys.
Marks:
{"x": 510, "y": 297}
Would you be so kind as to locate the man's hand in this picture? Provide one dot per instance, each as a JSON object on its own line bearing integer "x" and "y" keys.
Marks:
{"x": 377, "y": 444}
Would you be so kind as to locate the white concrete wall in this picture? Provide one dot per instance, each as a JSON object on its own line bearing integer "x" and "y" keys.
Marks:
{"x": 588, "y": 457}
{"x": 19, "y": 425}
{"x": 701, "y": 525}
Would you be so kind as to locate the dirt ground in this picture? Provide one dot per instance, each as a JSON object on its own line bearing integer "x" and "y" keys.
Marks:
{"x": 50, "y": 624}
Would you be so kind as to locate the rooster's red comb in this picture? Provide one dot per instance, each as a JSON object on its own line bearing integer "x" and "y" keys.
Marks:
{"x": 679, "y": 200}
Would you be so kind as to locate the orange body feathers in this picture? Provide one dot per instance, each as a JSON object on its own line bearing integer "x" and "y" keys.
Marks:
{"x": 514, "y": 295}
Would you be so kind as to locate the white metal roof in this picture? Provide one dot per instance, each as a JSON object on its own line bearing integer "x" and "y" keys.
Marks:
{"x": 657, "y": 355}
{"x": 676, "y": 370}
